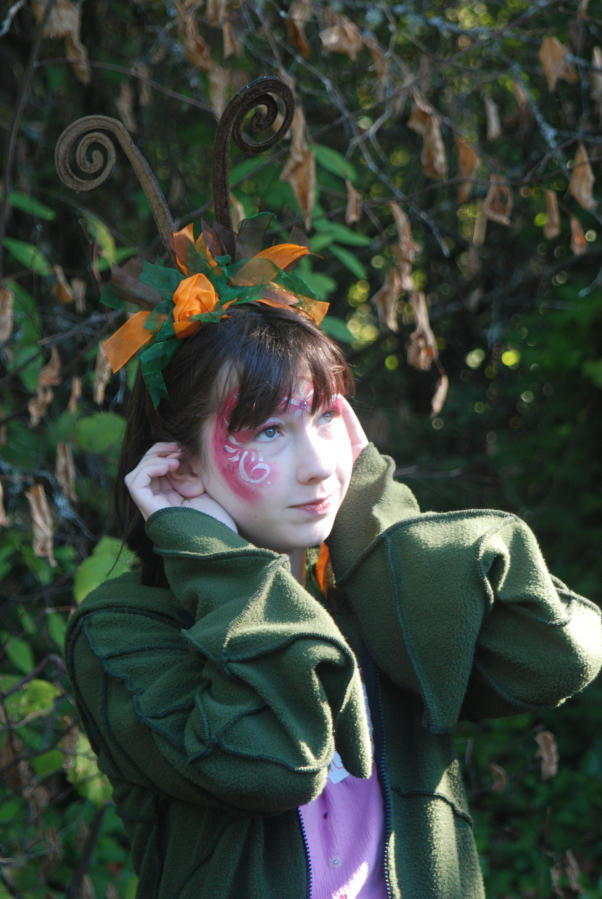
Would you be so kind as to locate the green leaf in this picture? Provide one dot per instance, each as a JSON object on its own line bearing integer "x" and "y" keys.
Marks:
{"x": 28, "y": 255}
{"x": 85, "y": 774}
{"x": 592, "y": 368}
{"x": 337, "y": 329}
{"x": 332, "y": 161}
{"x": 341, "y": 233}
{"x": 48, "y": 762}
{"x": 245, "y": 168}
{"x": 29, "y": 205}
{"x": 103, "y": 237}
{"x": 34, "y": 696}
{"x": 121, "y": 253}
{"x": 349, "y": 261}
{"x": 20, "y": 654}
{"x": 9, "y": 809}
{"x": 57, "y": 627}
{"x": 322, "y": 285}
{"x": 100, "y": 433}
{"x": 109, "y": 559}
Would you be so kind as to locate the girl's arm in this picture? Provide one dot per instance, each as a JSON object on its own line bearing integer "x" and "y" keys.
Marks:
{"x": 230, "y": 688}
{"x": 459, "y": 607}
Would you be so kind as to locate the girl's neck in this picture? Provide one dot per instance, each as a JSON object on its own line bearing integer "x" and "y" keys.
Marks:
{"x": 298, "y": 565}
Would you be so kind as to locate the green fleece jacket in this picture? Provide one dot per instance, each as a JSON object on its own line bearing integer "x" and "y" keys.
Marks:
{"x": 215, "y": 706}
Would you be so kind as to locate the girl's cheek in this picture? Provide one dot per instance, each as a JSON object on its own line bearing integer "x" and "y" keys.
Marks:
{"x": 243, "y": 468}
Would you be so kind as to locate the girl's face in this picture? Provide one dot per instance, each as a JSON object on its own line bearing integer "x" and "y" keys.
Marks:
{"x": 282, "y": 483}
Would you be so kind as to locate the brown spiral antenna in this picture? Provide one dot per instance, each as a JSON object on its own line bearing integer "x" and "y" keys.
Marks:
{"x": 258, "y": 93}
{"x": 90, "y": 132}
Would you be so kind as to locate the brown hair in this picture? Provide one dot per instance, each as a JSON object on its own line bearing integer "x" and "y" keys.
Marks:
{"x": 265, "y": 352}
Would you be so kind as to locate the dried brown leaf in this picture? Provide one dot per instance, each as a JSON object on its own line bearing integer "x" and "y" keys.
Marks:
{"x": 86, "y": 891}
{"x": 494, "y": 128}
{"x": 197, "y": 51}
{"x": 16, "y": 770}
{"x": 298, "y": 136}
{"x": 342, "y": 37}
{"x": 595, "y": 80}
{"x": 102, "y": 374}
{"x": 498, "y": 203}
{"x": 582, "y": 180}
{"x": 216, "y": 12}
{"x": 405, "y": 272}
{"x": 548, "y": 753}
{"x": 76, "y": 392}
{"x": 238, "y": 213}
{"x": 65, "y": 22}
{"x": 38, "y": 404}
{"x": 64, "y": 471}
{"x": 500, "y": 778}
{"x": 583, "y": 9}
{"x": 555, "y": 875}
{"x": 61, "y": 289}
{"x": 380, "y": 62}
{"x": 386, "y": 299}
{"x": 42, "y": 524}
{"x": 50, "y": 375}
{"x": 552, "y": 57}
{"x": 298, "y": 14}
{"x": 407, "y": 248}
{"x": 7, "y": 313}
{"x": 54, "y": 850}
{"x": 78, "y": 286}
{"x": 440, "y": 395}
{"x": 125, "y": 106}
{"x": 468, "y": 164}
{"x": 219, "y": 79}
{"x": 423, "y": 346}
{"x": 302, "y": 178}
{"x": 578, "y": 241}
{"x": 144, "y": 91}
{"x": 424, "y": 122}
{"x": 353, "y": 213}
{"x": 233, "y": 46}
{"x": 3, "y": 516}
{"x": 573, "y": 872}
{"x": 480, "y": 227}
{"x": 551, "y": 229}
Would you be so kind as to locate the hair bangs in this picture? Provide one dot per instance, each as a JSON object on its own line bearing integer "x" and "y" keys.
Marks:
{"x": 271, "y": 368}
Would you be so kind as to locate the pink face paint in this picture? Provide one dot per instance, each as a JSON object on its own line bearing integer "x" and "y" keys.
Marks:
{"x": 242, "y": 469}
{"x": 301, "y": 403}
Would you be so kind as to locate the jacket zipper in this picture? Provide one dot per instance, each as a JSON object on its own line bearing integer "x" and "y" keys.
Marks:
{"x": 307, "y": 858}
{"x": 383, "y": 779}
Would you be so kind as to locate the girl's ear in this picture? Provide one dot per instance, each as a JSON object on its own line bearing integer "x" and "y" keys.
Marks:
{"x": 187, "y": 479}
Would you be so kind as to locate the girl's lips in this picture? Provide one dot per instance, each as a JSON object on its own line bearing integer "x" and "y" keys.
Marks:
{"x": 317, "y": 507}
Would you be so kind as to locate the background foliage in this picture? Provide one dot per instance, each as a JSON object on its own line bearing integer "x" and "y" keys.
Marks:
{"x": 515, "y": 311}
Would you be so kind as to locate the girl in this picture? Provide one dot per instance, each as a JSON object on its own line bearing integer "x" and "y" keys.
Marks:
{"x": 272, "y": 692}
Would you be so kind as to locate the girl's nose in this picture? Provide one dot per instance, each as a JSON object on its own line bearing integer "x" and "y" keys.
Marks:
{"x": 315, "y": 458}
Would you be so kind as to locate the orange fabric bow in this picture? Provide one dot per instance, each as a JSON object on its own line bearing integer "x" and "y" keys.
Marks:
{"x": 193, "y": 296}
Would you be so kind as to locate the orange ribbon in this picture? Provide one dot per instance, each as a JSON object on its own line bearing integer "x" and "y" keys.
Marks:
{"x": 127, "y": 340}
{"x": 193, "y": 296}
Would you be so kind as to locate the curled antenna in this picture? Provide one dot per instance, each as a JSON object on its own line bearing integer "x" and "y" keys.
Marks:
{"x": 90, "y": 129}
{"x": 258, "y": 93}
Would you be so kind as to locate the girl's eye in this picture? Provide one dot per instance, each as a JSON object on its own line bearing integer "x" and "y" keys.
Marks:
{"x": 269, "y": 433}
{"x": 329, "y": 415}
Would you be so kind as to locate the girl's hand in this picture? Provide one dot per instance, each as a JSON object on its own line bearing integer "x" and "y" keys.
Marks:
{"x": 357, "y": 437}
{"x": 152, "y": 486}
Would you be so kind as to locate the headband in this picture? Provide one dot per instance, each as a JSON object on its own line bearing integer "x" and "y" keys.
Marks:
{"x": 207, "y": 275}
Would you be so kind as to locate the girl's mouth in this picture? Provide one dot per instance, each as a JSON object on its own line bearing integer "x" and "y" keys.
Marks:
{"x": 317, "y": 507}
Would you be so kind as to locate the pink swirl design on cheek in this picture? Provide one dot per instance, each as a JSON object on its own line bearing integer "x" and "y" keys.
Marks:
{"x": 259, "y": 471}
{"x": 243, "y": 470}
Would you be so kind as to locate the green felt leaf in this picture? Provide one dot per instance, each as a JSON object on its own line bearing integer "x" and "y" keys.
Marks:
{"x": 28, "y": 255}
{"x": 334, "y": 162}
{"x": 109, "y": 559}
{"x": 337, "y": 329}
{"x": 153, "y": 360}
{"x": 349, "y": 261}
{"x": 109, "y": 299}
{"x": 291, "y": 281}
{"x": 28, "y": 204}
{"x": 163, "y": 279}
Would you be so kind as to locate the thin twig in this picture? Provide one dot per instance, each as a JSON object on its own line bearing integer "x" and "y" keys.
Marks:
{"x": 11, "y": 141}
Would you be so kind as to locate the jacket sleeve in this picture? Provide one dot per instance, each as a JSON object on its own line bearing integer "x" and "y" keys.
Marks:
{"x": 242, "y": 707}
{"x": 465, "y": 614}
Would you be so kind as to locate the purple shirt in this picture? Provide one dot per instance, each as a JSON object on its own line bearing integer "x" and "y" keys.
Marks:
{"x": 345, "y": 832}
